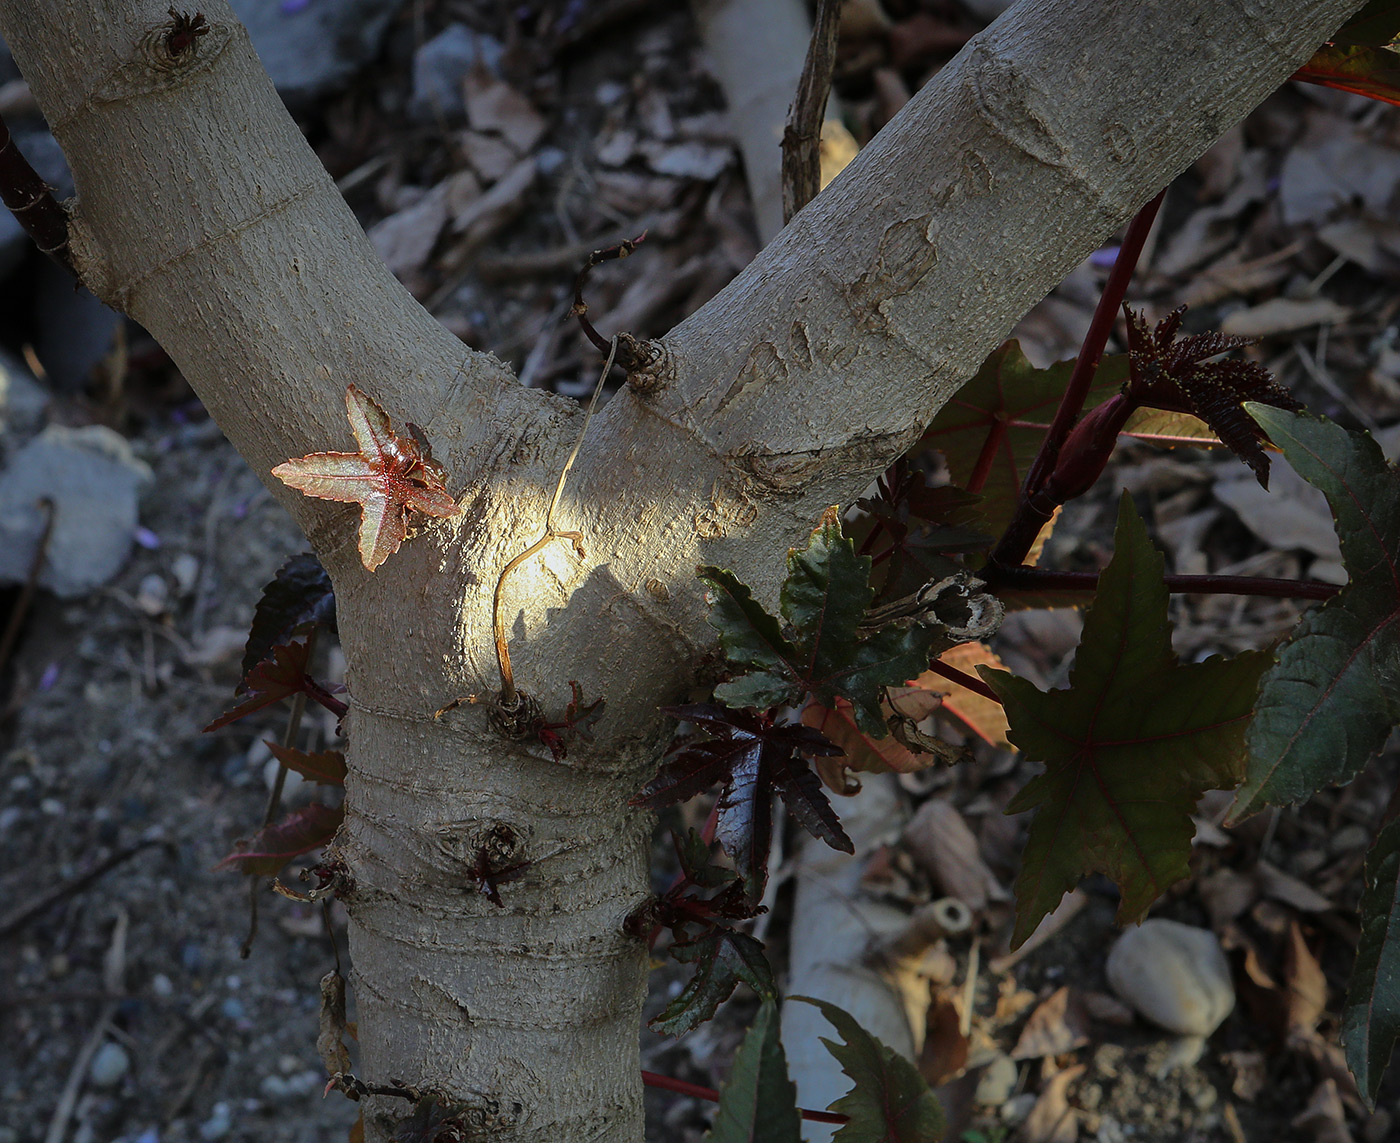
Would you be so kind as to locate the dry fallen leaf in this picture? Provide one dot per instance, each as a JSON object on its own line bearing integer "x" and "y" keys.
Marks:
{"x": 1305, "y": 983}
{"x": 1060, "y": 1024}
{"x": 1053, "y": 1119}
{"x": 939, "y": 840}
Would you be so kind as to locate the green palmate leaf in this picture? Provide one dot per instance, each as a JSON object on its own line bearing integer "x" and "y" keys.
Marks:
{"x": 1361, "y": 56}
{"x": 1159, "y": 426}
{"x": 1011, "y": 402}
{"x": 723, "y": 959}
{"x": 751, "y": 638}
{"x": 1371, "y": 1022}
{"x": 1129, "y": 748}
{"x": 1330, "y": 700}
{"x": 824, "y": 600}
{"x": 758, "y": 1103}
{"x": 1372, "y": 72}
{"x": 1377, "y": 25}
{"x": 889, "y": 1101}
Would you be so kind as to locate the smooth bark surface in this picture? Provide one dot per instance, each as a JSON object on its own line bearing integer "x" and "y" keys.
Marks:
{"x": 202, "y": 213}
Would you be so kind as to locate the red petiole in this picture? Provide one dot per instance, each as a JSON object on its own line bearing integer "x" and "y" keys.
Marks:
{"x": 695, "y": 1091}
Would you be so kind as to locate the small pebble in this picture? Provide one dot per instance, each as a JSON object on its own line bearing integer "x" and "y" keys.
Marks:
{"x": 152, "y": 595}
{"x": 108, "y": 1065}
{"x": 219, "y": 1123}
{"x": 185, "y": 569}
{"x": 1015, "y": 1109}
{"x": 1349, "y": 837}
{"x": 997, "y": 1082}
{"x": 161, "y": 985}
{"x": 233, "y": 1009}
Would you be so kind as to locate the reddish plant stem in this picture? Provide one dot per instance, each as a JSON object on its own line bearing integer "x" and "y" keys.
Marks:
{"x": 31, "y": 201}
{"x": 983, "y": 466}
{"x": 1039, "y": 579}
{"x": 963, "y": 679}
{"x": 695, "y": 1091}
{"x": 708, "y": 833}
{"x": 1032, "y": 513}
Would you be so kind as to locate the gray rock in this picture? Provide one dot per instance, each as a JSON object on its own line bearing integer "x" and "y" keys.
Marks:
{"x": 109, "y": 1064}
{"x": 311, "y": 47}
{"x": 23, "y": 403}
{"x": 94, "y": 482}
{"x": 441, "y": 64}
{"x": 219, "y": 1123}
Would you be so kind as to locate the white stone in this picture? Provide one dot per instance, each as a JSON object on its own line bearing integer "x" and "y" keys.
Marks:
{"x": 1174, "y": 975}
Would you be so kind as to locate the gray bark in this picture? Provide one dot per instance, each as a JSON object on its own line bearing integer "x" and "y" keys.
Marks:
{"x": 202, "y": 213}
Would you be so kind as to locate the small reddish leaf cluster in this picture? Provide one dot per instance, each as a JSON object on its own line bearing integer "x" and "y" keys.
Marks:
{"x": 723, "y": 956}
{"x": 274, "y": 679}
{"x": 389, "y": 478}
{"x": 298, "y": 601}
{"x": 752, "y": 758}
{"x": 304, "y": 829}
{"x": 577, "y": 722}
{"x": 1176, "y": 373}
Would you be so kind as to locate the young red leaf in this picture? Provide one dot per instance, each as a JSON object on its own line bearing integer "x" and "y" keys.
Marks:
{"x": 889, "y": 1102}
{"x": 301, "y": 831}
{"x": 1330, "y": 701}
{"x": 325, "y": 768}
{"x": 1129, "y": 748}
{"x": 1176, "y": 373}
{"x": 298, "y": 598}
{"x": 388, "y": 478}
{"x": 277, "y": 678}
{"x": 752, "y": 758}
{"x": 994, "y": 424}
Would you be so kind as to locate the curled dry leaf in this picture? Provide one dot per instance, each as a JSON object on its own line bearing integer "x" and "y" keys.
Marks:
{"x": 1053, "y": 1119}
{"x": 1059, "y": 1025}
{"x": 939, "y": 840}
{"x": 389, "y": 478}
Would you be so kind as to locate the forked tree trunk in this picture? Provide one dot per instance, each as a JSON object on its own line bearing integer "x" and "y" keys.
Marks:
{"x": 202, "y": 214}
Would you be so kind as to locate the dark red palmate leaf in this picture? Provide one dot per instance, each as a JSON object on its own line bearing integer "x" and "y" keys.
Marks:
{"x": 389, "y": 478}
{"x": 299, "y": 597}
{"x": 752, "y": 759}
{"x": 304, "y": 829}
{"x": 274, "y": 679}
{"x": 325, "y": 767}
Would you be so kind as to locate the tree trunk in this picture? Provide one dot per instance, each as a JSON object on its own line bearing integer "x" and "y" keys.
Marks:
{"x": 202, "y": 214}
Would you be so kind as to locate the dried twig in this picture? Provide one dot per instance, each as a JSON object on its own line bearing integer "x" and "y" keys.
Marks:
{"x": 509, "y": 698}
{"x": 802, "y": 136}
{"x": 31, "y": 581}
{"x": 113, "y": 972}
{"x": 21, "y": 915}
{"x": 580, "y": 309}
